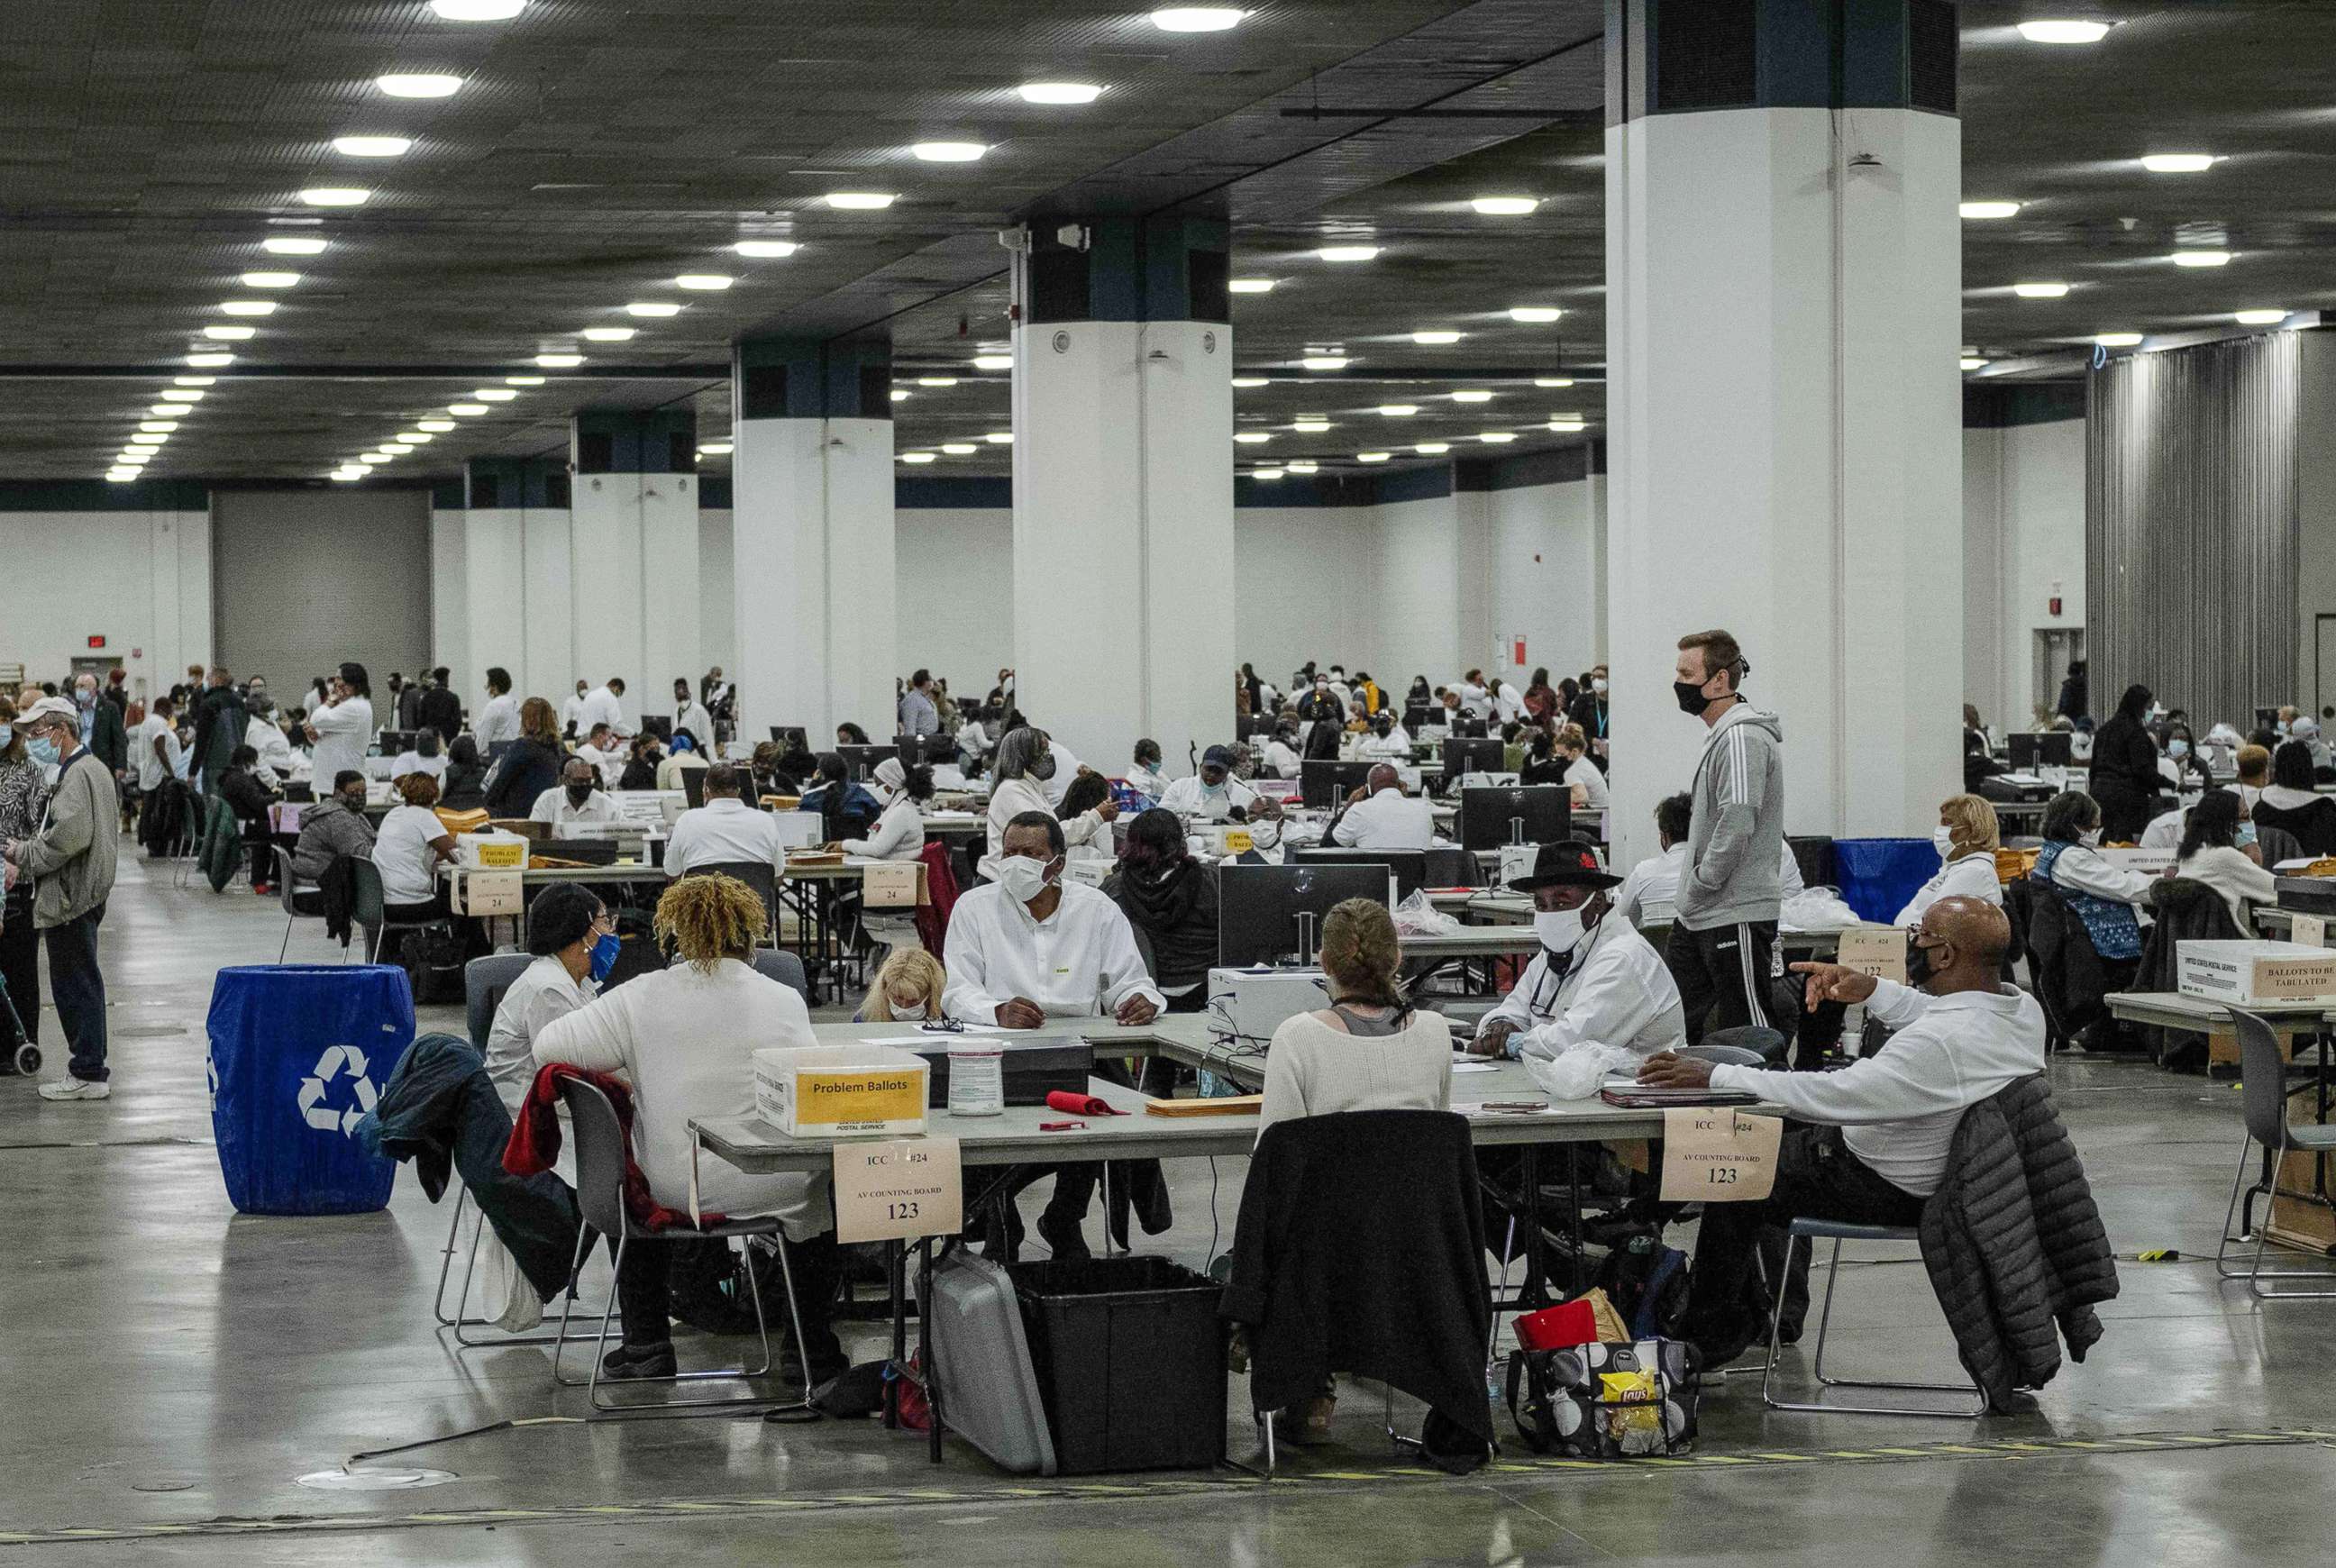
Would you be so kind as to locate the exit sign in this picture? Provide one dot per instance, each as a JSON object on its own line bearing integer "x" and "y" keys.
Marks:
{"x": 97, "y": 642}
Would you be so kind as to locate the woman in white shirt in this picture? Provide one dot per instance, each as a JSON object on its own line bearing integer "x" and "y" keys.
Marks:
{"x": 407, "y": 852}
{"x": 684, "y": 1038}
{"x": 900, "y": 834}
{"x": 342, "y": 726}
{"x": 2218, "y": 848}
{"x": 574, "y": 940}
{"x": 1025, "y": 762}
{"x": 1087, "y": 792}
{"x": 1581, "y": 774}
{"x": 1281, "y": 757}
{"x": 1508, "y": 703}
{"x": 424, "y": 755}
{"x": 1966, "y": 837}
{"x": 264, "y": 735}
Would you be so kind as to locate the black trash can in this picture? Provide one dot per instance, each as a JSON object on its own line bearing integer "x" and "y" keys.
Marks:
{"x": 1130, "y": 1358}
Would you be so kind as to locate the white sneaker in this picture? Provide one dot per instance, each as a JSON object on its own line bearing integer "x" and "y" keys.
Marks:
{"x": 76, "y": 1089}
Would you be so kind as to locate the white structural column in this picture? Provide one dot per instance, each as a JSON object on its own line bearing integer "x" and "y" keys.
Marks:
{"x": 1124, "y": 568}
{"x": 1783, "y": 308}
{"x": 633, "y": 553}
{"x": 516, "y": 612}
{"x": 812, "y": 538}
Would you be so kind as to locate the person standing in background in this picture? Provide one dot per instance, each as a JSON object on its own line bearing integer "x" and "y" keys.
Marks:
{"x": 499, "y": 720}
{"x": 440, "y": 708}
{"x": 689, "y": 714}
{"x": 919, "y": 716}
{"x": 2076, "y": 694}
{"x": 220, "y": 721}
{"x": 72, "y": 862}
{"x": 571, "y": 711}
{"x": 2124, "y": 777}
{"x": 101, "y": 729}
{"x": 343, "y": 726}
{"x": 24, "y": 791}
{"x": 1724, "y": 932}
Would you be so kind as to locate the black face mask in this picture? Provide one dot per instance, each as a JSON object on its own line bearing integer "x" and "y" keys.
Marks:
{"x": 579, "y": 793}
{"x": 1919, "y": 970}
{"x": 1690, "y": 697}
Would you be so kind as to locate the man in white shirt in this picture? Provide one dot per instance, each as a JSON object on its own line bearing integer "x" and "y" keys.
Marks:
{"x": 603, "y": 704}
{"x": 1474, "y": 697}
{"x": 499, "y": 720}
{"x": 1144, "y": 775}
{"x": 690, "y": 715}
{"x": 263, "y": 735}
{"x": 726, "y": 829}
{"x": 154, "y": 748}
{"x": 1961, "y": 1035}
{"x": 1380, "y": 817}
{"x": 1595, "y": 982}
{"x": 576, "y": 800}
{"x": 1213, "y": 795}
{"x": 1030, "y": 947}
{"x": 571, "y": 711}
{"x": 1388, "y": 740}
{"x": 601, "y": 750}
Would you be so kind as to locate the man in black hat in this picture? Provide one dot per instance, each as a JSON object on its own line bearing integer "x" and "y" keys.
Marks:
{"x": 1595, "y": 982}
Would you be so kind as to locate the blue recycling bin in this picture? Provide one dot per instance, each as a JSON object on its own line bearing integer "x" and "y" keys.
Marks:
{"x": 1877, "y": 876}
{"x": 299, "y": 1054}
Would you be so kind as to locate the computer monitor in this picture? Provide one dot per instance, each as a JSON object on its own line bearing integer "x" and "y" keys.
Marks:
{"x": 657, "y": 725}
{"x": 2055, "y": 748}
{"x": 930, "y": 750}
{"x": 1415, "y": 717}
{"x": 1270, "y": 914}
{"x": 1489, "y": 816}
{"x": 1462, "y": 757}
{"x": 1472, "y": 728}
{"x": 859, "y": 759}
{"x": 791, "y": 737}
{"x": 1408, "y": 867}
{"x": 693, "y": 786}
{"x": 1323, "y": 784}
{"x": 2020, "y": 746}
{"x": 393, "y": 741}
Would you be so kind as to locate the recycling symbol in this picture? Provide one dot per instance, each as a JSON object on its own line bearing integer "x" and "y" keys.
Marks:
{"x": 336, "y": 1062}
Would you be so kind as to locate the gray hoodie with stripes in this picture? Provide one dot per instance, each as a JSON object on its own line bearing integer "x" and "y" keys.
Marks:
{"x": 1735, "y": 842}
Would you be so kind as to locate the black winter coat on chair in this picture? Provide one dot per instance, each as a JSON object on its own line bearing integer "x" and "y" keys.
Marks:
{"x": 2183, "y": 909}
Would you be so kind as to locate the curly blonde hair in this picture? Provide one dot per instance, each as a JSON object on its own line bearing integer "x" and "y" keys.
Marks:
{"x": 707, "y": 919}
{"x": 907, "y": 969}
{"x": 1972, "y": 820}
{"x": 1360, "y": 953}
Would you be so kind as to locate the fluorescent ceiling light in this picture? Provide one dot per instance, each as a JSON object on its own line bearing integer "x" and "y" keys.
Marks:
{"x": 1472, "y": 395}
{"x": 466, "y": 410}
{"x": 1265, "y": 472}
{"x": 1432, "y": 338}
{"x": 762, "y": 249}
{"x": 1398, "y": 410}
{"x": 958, "y": 448}
{"x": 2261, "y": 318}
{"x": 1251, "y": 437}
{"x": 522, "y": 381}
{"x": 1433, "y": 447}
{"x": 397, "y": 448}
{"x": 858, "y": 200}
{"x": 916, "y": 457}
{"x": 1196, "y": 18}
{"x": 1310, "y": 426}
{"x": 164, "y": 425}
{"x": 1496, "y": 437}
{"x": 1988, "y": 211}
{"x": 478, "y": 10}
{"x": 372, "y": 459}
{"x": 937, "y": 381}
{"x": 993, "y": 362}
{"x": 1348, "y": 252}
{"x": 653, "y": 307}
{"x": 271, "y": 279}
{"x": 559, "y": 361}
{"x": 1552, "y": 381}
{"x": 2039, "y": 290}
{"x": 418, "y": 84}
{"x": 1373, "y": 456}
{"x": 209, "y": 361}
{"x": 707, "y": 282}
{"x": 1058, "y": 93}
{"x": 494, "y": 394}
{"x": 440, "y": 425}
{"x": 1564, "y": 416}
{"x": 1505, "y": 206}
{"x": 1303, "y": 467}
{"x": 228, "y": 333}
{"x": 415, "y": 437}
{"x": 248, "y": 307}
{"x": 194, "y": 381}
{"x": 1246, "y": 381}
{"x": 346, "y": 476}
{"x": 900, "y": 394}
{"x": 181, "y": 395}
{"x": 1324, "y": 362}
{"x": 1250, "y": 286}
{"x": 335, "y": 196}
{"x": 610, "y": 335}
{"x": 2119, "y": 339}
{"x": 1566, "y": 426}
{"x": 2178, "y": 162}
{"x": 1960, "y": 364}
{"x": 717, "y": 449}
{"x": 169, "y": 410}
{"x": 2202, "y": 258}
{"x": 950, "y": 151}
{"x": 1535, "y": 314}
{"x": 2052, "y": 32}
{"x": 119, "y": 475}
{"x": 371, "y": 146}
{"x": 293, "y": 244}
{"x": 999, "y": 438}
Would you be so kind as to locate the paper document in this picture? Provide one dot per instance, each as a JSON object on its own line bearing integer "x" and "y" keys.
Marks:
{"x": 1474, "y": 1065}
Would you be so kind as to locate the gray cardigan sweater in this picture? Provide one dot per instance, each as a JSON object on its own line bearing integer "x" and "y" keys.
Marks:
{"x": 71, "y": 858}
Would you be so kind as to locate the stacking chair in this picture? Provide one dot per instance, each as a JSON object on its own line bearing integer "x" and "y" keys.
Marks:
{"x": 2262, "y": 1095}
{"x": 1837, "y": 1231}
{"x": 285, "y": 889}
{"x": 370, "y": 907}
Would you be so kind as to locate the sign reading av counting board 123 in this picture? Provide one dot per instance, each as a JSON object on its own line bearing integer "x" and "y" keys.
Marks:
{"x": 896, "y": 1190}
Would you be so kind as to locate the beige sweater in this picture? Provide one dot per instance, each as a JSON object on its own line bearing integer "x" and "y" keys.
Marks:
{"x": 1312, "y": 1069}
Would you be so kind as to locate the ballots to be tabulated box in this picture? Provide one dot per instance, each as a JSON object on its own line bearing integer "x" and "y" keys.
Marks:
{"x": 2244, "y": 973}
{"x": 842, "y": 1091}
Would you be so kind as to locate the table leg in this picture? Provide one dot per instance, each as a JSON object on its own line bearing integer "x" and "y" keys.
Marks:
{"x": 1573, "y": 1195}
{"x": 932, "y": 1379}
{"x": 894, "y": 1282}
{"x": 1532, "y": 1290}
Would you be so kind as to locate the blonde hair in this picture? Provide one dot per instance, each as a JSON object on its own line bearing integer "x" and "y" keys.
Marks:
{"x": 539, "y": 721}
{"x": 2254, "y": 764}
{"x": 1571, "y": 737}
{"x": 1361, "y": 954}
{"x": 707, "y": 919}
{"x": 1972, "y": 822}
{"x": 418, "y": 789}
{"x": 909, "y": 969}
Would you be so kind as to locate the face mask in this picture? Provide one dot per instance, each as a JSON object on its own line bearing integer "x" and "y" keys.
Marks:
{"x": 1599, "y": 686}
{"x": 1559, "y": 930}
{"x": 604, "y": 955}
{"x": 1213, "y": 790}
{"x": 2090, "y": 838}
{"x": 579, "y": 793}
{"x": 1690, "y": 697}
{"x": 355, "y": 803}
{"x": 1265, "y": 835}
{"x": 911, "y": 1008}
{"x": 1023, "y": 877}
{"x": 1944, "y": 838}
{"x": 2246, "y": 835}
{"x": 44, "y": 750}
{"x": 2177, "y": 749}
{"x": 7, "y": 735}
{"x": 1918, "y": 968}
{"x": 85, "y": 698}
{"x": 1044, "y": 768}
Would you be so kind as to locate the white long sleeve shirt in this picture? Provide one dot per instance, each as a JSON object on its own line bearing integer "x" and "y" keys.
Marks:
{"x": 2165, "y": 830}
{"x": 686, "y": 1041}
{"x": 344, "y": 730}
{"x": 551, "y": 806}
{"x": 571, "y": 712}
{"x": 275, "y": 750}
{"x": 692, "y": 717}
{"x": 1389, "y": 820}
{"x": 2239, "y": 880}
{"x": 1281, "y": 759}
{"x": 497, "y": 721}
{"x": 720, "y": 833}
{"x": 1645, "y": 896}
{"x": 601, "y": 706}
{"x": 1080, "y": 961}
{"x": 1392, "y": 747}
{"x": 1188, "y": 797}
{"x": 2080, "y": 869}
{"x": 1619, "y": 992}
{"x": 898, "y": 834}
{"x": 543, "y": 991}
{"x": 1972, "y": 876}
{"x": 1014, "y": 796}
{"x": 1314, "y": 1070}
{"x": 1901, "y": 1106}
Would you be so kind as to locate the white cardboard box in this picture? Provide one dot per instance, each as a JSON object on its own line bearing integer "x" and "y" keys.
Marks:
{"x": 483, "y": 893}
{"x": 842, "y": 1091}
{"x": 2246, "y": 972}
{"x": 2148, "y": 863}
{"x": 498, "y": 852}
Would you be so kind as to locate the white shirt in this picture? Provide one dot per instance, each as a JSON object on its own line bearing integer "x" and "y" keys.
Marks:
{"x": 152, "y": 770}
{"x": 1581, "y": 771}
{"x": 1509, "y": 704}
{"x": 1281, "y": 759}
{"x": 692, "y": 717}
{"x": 1081, "y": 961}
{"x": 899, "y": 834}
{"x": 1014, "y": 796}
{"x": 1389, "y": 820}
{"x": 1646, "y": 895}
{"x": 1150, "y": 781}
{"x": 2165, "y": 830}
{"x": 2279, "y": 797}
{"x": 1901, "y": 1106}
{"x": 1971, "y": 876}
{"x": 543, "y": 991}
{"x": 1313, "y": 1069}
{"x": 1067, "y": 768}
{"x": 686, "y": 1041}
{"x": 2239, "y": 880}
{"x": 344, "y": 730}
{"x": 1395, "y": 746}
{"x": 720, "y": 833}
{"x": 571, "y": 711}
{"x": 551, "y": 806}
{"x": 668, "y": 774}
{"x": 601, "y": 706}
{"x": 414, "y": 762}
{"x": 1188, "y": 797}
{"x": 1477, "y": 700}
{"x": 275, "y": 751}
{"x": 610, "y": 764}
{"x": 2082, "y": 870}
{"x": 1619, "y": 992}
{"x": 402, "y": 854}
{"x": 497, "y": 721}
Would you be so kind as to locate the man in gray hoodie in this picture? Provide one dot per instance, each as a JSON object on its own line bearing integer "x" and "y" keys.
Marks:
{"x": 70, "y": 862}
{"x": 1723, "y": 936}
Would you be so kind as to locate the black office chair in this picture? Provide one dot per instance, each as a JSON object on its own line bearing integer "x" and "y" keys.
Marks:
{"x": 757, "y": 875}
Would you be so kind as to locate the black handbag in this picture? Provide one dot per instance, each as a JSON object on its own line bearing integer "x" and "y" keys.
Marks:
{"x": 1631, "y": 1399}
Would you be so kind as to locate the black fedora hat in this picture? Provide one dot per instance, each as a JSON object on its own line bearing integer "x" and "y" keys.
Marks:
{"x": 1568, "y": 862}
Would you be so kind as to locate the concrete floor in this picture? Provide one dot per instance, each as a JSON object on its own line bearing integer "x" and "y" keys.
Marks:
{"x": 172, "y": 1364}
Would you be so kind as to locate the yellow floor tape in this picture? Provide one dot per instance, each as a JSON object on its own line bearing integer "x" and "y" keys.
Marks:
{"x": 1518, "y": 1461}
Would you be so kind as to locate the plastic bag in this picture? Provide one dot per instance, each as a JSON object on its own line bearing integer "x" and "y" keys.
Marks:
{"x": 506, "y": 1299}
{"x": 1582, "y": 1072}
{"x": 1815, "y": 909}
{"x": 1417, "y": 916}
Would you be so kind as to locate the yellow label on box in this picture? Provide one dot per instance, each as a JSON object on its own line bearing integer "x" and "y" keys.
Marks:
{"x": 857, "y": 1098}
{"x": 1238, "y": 842}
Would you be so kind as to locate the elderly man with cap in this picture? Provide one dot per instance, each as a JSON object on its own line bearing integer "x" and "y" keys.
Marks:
{"x": 1214, "y": 793}
{"x": 70, "y": 862}
{"x": 1380, "y": 815}
{"x": 1884, "y": 1125}
{"x": 1595, "y": 982}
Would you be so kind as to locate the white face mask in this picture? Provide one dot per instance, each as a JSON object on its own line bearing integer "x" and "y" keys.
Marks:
{"x": 2091, "y": 838}
{"x": 1559, "y": 930}
{"x": 1022, "y": 877}
{"x": 1598, "y": 685}
{"x": 1945, "y": 838}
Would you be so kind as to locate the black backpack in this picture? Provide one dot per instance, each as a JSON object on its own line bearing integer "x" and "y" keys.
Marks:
{"x": 433, "y": 961}
{"x": 1647, "y": 1283}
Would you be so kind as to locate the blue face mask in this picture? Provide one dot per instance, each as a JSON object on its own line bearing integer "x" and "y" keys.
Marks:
{"x": 604, "y": 955}
{"x": 2246, "y": 835}
{"x": 44, "y": 750}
